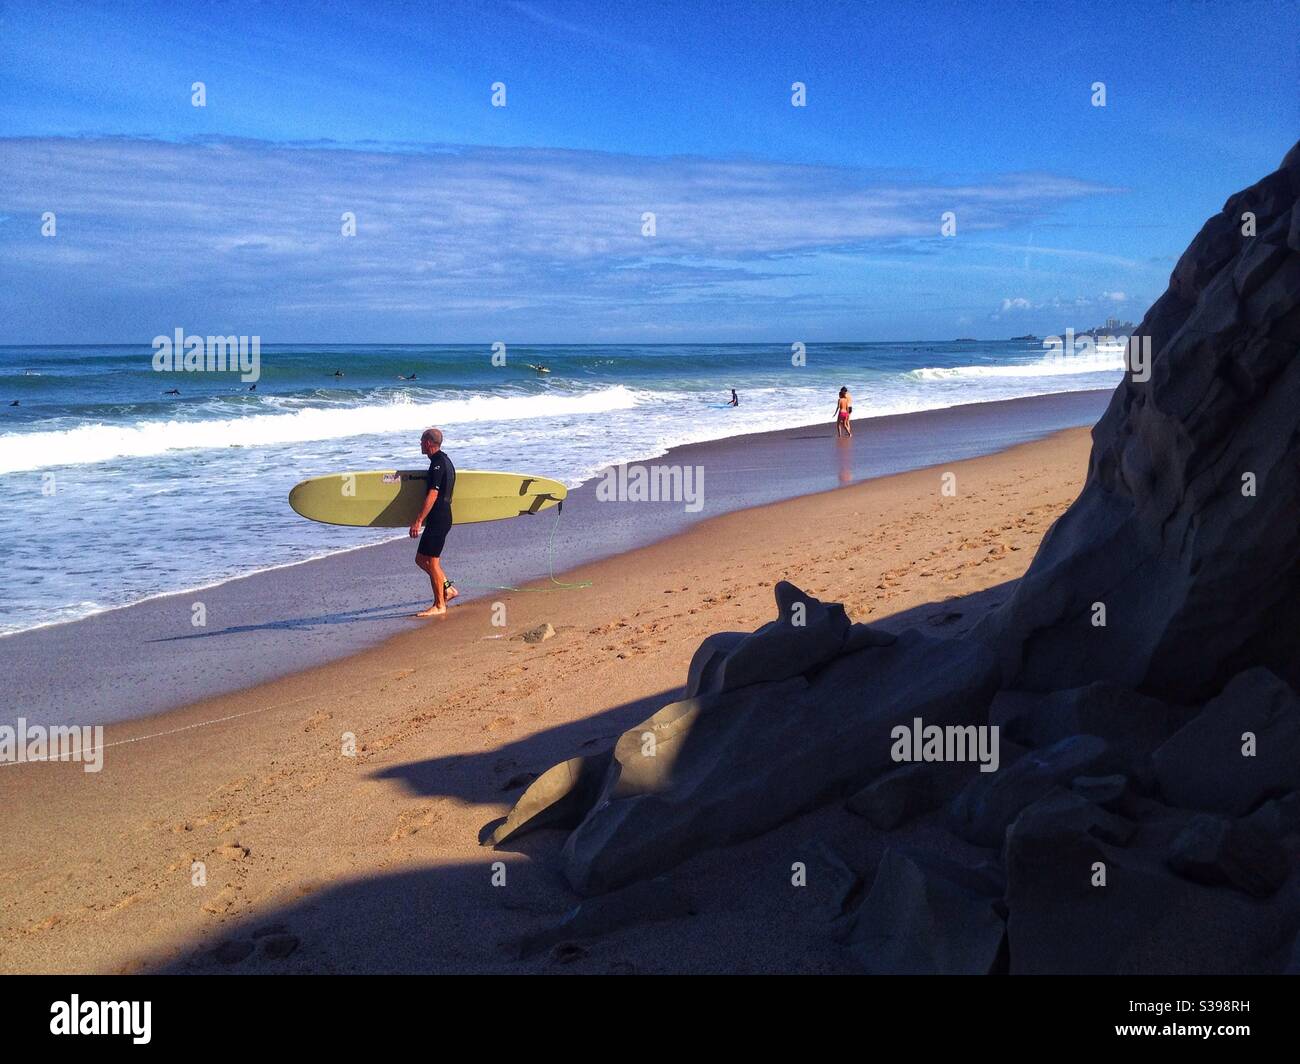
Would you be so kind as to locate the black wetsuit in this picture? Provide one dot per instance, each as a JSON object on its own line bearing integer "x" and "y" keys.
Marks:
{"x": 441, "y": 476}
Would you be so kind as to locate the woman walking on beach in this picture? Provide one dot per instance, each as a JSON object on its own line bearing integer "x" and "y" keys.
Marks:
{"x": 843, "y": 408}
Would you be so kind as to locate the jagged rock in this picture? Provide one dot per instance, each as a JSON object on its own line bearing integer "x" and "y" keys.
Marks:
{"x": 724, "y": 767}
{"x": 1218, "y": 851}
{"x": 1199, "y": 578}
{"x": 927, "y": 915}
{"x": 1293, "y": 961}
{"x": 862, "y": 636}
{"x": 1202, "y": 766}
{"x": 991, "y": 801}
{"x": 559, "y": 798}
{"x": 1124, "y": 718}
{"x": 640, "y": 903}
{"x": 845, "y": 882}
{"x": 1278, "y": 817}
{"x": 806, "y": 634}
{"x": 704, "y": 673}
{"x": 1061, "y": 810}
{"x": 908, "y": 792}
{"x": 1109, "y": 792}
{"x": 1143, "y": 919}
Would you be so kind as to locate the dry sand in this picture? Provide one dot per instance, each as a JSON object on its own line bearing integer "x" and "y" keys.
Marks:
{"x": 372, "y": 862}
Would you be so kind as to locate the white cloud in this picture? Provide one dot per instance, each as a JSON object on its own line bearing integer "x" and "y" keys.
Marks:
{"x": 251, "y": 228}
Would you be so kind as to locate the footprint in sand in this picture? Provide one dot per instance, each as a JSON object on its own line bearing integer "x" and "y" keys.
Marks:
{"x": 221, "y": 903}
{"x": 316, "y": 720}
{"x": 411, "y": 821}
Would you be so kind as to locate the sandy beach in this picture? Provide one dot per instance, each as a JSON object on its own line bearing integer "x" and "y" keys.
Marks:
{"x": 237, "y": 834}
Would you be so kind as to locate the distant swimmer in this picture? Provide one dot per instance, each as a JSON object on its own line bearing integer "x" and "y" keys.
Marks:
{"x": 735, "y": 399}
{"x": 843, "y": 408}
{"x": 174, "y": 391}
{"x": 14, "y": 403}
{"x": 410, "y": 378}
{"x": 252, "y": 387}
{"x": 338, "y": 373}
{"x": 434, "y": 521}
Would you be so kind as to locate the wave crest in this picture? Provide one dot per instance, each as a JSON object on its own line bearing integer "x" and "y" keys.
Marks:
{"x": 85, "y": 444}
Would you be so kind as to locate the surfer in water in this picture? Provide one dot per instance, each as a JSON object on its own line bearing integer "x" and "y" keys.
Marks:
{"x": 435, "y": 519}
{"x": 735, "y": 399}
{"x": 843, "y": 408}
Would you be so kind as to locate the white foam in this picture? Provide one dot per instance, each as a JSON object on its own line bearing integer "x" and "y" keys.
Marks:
{"x": 1060, "y": 366}
{"x": 86, "y": 444}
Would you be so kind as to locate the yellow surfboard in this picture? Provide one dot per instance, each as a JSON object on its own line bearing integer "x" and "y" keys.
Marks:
{"x": 391, "y": 498}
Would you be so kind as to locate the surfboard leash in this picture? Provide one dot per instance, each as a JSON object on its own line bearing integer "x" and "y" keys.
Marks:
{"x": 560, "y": 585}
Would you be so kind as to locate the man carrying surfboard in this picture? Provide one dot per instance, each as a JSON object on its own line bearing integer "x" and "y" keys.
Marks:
{"x": 435, "y": 518}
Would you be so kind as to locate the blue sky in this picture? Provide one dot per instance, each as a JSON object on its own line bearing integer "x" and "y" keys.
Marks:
{"x": 523, "y": 223}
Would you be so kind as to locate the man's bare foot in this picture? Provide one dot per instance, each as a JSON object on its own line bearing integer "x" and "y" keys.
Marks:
{"x": 432, "y": 611}
{"x": 452, "y": 592}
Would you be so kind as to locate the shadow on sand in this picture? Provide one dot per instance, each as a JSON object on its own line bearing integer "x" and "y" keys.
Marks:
{"x": 462, "y": 917}
{"x": 395, "y": 611}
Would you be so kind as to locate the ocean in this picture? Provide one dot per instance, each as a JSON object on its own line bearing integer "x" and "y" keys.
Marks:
{"x": 117, "y": 492}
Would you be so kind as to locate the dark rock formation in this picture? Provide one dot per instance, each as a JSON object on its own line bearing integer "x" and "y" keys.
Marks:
{"x": 1129, "y": 722}
{"x": 989, "y": 803}
{"x": 559, "y": 798}
{"x": 1145, "y": 813}
{"x": 908, "y": 792}
{"x": 1220, "y": 851}
{"x": 735, "y": 761}
{"x": 723, "y": 767}
{"x": 806, "y": 634}
{"x": 928, "y": 915}
{"x": 1063, "y": 917}
{"x": 1200, "y": 579}
{"x": 1241, "y": 749}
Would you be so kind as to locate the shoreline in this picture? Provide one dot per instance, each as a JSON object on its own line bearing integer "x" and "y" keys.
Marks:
{"x": 721, "y": 441}
{"x": 372, "y": 859}
{"x": 147, "y": 658}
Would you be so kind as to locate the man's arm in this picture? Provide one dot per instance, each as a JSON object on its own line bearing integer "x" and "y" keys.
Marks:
{"x": 430, "y": 498}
